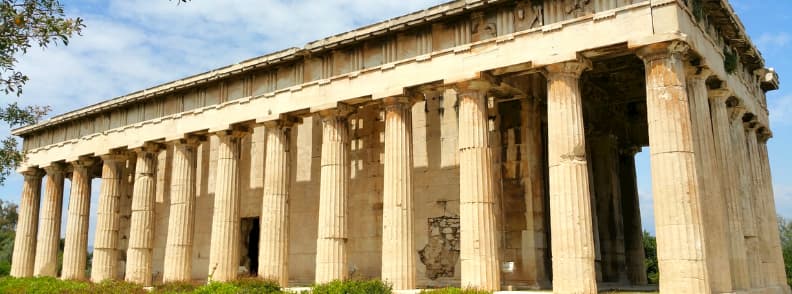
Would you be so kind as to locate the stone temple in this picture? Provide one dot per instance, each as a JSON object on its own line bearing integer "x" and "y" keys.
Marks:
{"x": 479, "y": 143}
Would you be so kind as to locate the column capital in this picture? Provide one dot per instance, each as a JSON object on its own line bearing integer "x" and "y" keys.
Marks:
{"x": 33, "y": 173}
{"x": 397, "y": 102}
{"x": 477, "y": 85}
{"x": 235, "y": 132}
{"x": 763, "y": 134}
{"x": 342, "y": 110}
{"x": 83, "y": 162}
{"x": 148, "y": 148}
{"x": 55, "y": 168}
{"x": 283, "y": 121}
{"x": 115, "y": 156}
{"x": 630, "y": 150}
{"x": 663, "y": 50}
{"x": 698, "y": 72}
{"x": 736, "y": 112}
{"x": 568, "y": 68}
{"x": 189, "y": 140}
{"x": 720, "y": 95}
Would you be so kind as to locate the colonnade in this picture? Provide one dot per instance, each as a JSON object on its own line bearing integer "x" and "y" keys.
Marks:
{"x": 705, "y": 151}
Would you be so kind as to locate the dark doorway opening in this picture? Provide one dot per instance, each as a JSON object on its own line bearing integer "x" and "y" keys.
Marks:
{"x": 250, "y": 239}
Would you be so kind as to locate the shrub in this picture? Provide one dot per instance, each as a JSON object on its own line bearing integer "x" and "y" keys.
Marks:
{"x": 254, "y": 285}
{"x": 111, "y": 286}
{"x": 43, "y": 285}
{"x": 352, "y": 287}
{"x": 218, "y": 288}
{"x": 452, "y": 290}
{"x": 175, "y": 287}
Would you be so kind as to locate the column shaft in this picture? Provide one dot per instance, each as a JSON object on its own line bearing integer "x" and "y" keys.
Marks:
{"x": 274, "y": 238}
{"x": 181, "y": 221}
{"x": 224, "y": 253}
{"x": 479, "y": 244}
{"x": 331, "y": 253}
{"x": 50, "y": 223}
{"x": 712, "y": 192}
{"x": 533, "y": 251}
{"x": 398, "y": 245}
{"x": 677, "y": 198}
{"x": 75, "y": 249}
{"x": 608, "y": 208}
{"x": 723, "y": 149}
{"x": 570, "y": 198}
{"x": 633, "y": 230}
{"x": 23, "y": 258}
{"x": 745, "y": 187}
{"x": 778, "y": 271}
{"x": 141, "y": 230}
{"x": 105, "y": 255}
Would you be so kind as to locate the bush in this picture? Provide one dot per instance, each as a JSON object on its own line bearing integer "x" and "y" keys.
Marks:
{"x": 219, "y": 288}
{"x": 175, "y": 287}
{"x": 352, "y": 287}
{"x": 43, "y": 285}
{"x": 451, "y": 290}
{"x": 242, "y": 286}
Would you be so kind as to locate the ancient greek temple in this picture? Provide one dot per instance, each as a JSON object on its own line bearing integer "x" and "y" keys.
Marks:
{"x": 480, "y": 143}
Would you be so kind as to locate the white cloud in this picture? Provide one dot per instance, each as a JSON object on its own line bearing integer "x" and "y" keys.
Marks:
{"x": 773, "y": 41}
{"x": 780, "y": 109}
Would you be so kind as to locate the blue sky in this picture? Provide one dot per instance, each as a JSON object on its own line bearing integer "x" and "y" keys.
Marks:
{"x": 130, "y": 45}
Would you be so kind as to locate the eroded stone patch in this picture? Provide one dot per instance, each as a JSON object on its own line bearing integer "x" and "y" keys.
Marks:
{"x": 441, "y": 253}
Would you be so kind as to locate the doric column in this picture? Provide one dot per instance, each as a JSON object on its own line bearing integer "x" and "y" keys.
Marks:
{"x": 50, "y": 223}
{"x": 181, "y": 220}
{"x": 723, "y": 149}
{"x": 741, "y": 165}
{"x": 534, "y": 185}
{"x": 331, "y": 254}
{"x": 141, "y": 230}
{"x": 75, "y": 248}
{"x": 398, "y": 246}
{"x": 712, "y": 192}
{"x": 605, "y": 162}
{"x": 224, "y": 252}
{"x": 570, "y": 198}
{"x": 777, "y": 274}
{"x": 677, "y": 198}
{"x": 105, "y": 254}
{"x": 477, "y": 220}
{"x": 273, "y": 256}
{"x": 631, "y": 206}
{"x": 23, "y": 258}
{"x": 758, "y": 202}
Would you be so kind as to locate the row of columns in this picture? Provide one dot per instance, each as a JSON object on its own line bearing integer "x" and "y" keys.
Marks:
{"x": 687, "y": 149}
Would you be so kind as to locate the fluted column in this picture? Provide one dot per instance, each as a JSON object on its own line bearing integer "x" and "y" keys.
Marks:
{"x": 631, "y": 206}
{"x": 398, "y": 245}
{"x": 723, "y": 149}
{"x": 532, "y": 165}
{"x": 273, "y": 255}
{"x": 677, "y": 198}
{"x": 741, "y": 165}
{"x": 712, "y": 192}
{"x": 75, "y": 248}
{"x": 777, "y": 274}
{"x": 23, "y": 258}
{"x": 105, "y": 254}
{"x": 331, "y": 253}
{"x": 181, "y": 220}
{"x": 142, "y": 222}
{"x": 224, "y": 253}
{"x": 477, "y": 220}
{"x": 46, "y": 263}
{"x": 604, "y": 160}
{"x": 758, "y": 202}
{"x": 570, "y": 198}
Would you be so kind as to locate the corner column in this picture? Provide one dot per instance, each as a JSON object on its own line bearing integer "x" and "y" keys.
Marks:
{"x": 50, "y": 223}
{"x": 398, "y": 245}
{"x": 105, "y": 255}
{"x": 570, "y": 198}
{"x": 273, "y": 257}
{"x": 677, "y": 198}
{"x": 75, "y": 249}
{"x": 777, "y": 271}
{"x": 181, "y": 221}
{"x": 477, "y": 220}
{"x": 224, "y": 251}
{"x": 331, "y": 254}
{"x": 723, "y": 149}
{"x": 141, "y": 232}
{"x": 712, "y": 191}
{"x": 631, "y": 206}
{"x": 23, "y": 258}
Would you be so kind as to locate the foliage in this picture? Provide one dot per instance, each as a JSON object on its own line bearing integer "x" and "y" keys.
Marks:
{"x": 8, "y": 220}
{"x": 650, "y": 250}
{"x": 698, "y": 9}
{"x": 785, "y": 230}
{"x": 175, "y": 287}
{"x": 451, "y": 290}
{"x": 42, "y": 285}
{"x": 729, "y": 61}
{"x": 46, "y": 285}
{"x": 352, "y": 287}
